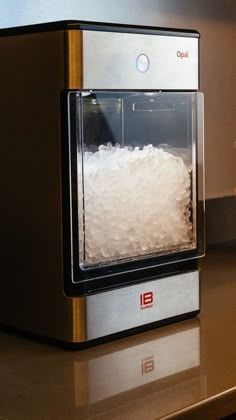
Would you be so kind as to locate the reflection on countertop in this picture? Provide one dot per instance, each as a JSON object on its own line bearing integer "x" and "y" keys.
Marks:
{"x": 183, "y": 370}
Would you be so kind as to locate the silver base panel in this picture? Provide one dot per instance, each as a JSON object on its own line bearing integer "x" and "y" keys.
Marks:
{"x": 134, "y": 306}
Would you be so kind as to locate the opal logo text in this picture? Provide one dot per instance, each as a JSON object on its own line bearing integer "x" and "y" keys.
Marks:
{"x": 182, "y": 54}
{"x": 146, "y": 300}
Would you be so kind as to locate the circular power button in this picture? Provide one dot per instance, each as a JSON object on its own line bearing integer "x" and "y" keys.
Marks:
{"x": 142, "y": 63}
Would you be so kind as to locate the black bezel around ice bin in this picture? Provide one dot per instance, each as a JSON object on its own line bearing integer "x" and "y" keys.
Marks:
{"x": 78, "y": 282}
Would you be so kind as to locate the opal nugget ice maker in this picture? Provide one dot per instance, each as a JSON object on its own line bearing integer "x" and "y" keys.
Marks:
{"x": 102, "y": 201}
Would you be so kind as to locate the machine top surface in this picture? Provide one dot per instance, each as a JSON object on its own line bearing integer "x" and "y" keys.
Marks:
{"x": 111, "y": 27}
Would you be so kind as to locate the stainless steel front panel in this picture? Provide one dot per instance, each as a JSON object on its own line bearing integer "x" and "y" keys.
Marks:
{"x": 129, "y": 307}
{"x": 113, "y": 60}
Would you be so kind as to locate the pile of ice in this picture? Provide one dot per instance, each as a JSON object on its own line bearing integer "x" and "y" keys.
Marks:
{"x": 137, "y": 202}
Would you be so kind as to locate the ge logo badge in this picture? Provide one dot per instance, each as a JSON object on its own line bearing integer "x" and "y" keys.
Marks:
{"x": 146, "y": 300}
{"x": 148, "y": 365}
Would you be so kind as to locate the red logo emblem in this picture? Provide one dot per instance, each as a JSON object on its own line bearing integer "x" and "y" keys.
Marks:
{"x": 182, "y": 54}
{"x": 148, "y": 365}
{"x": 146, "y": 300}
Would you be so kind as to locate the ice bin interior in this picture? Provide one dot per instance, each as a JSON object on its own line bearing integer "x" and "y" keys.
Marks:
{"x": 136, "y": 172}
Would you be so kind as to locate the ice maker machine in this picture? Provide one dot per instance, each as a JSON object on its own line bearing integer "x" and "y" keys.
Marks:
{"x": 102, "y": 192}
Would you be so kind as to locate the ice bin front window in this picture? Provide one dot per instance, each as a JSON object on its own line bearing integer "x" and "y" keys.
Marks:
{"x": 136, "y": 172}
